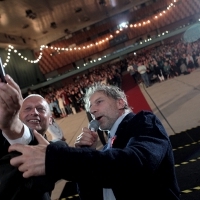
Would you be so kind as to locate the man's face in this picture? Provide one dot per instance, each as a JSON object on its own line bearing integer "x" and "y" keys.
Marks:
{"x": 105, "y": 109}
{"x": 35, "y": 114}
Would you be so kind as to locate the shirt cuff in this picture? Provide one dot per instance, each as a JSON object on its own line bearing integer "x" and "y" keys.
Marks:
{"x": 25, "y": 139}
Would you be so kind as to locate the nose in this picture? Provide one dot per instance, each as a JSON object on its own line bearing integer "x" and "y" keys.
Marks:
{"x": 93, "y": 109}
{"x": 34, "y": 111}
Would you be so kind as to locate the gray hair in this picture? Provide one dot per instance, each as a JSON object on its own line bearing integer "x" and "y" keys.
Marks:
{"x": 38, "y": 95}
{"x": 109, "y": 90}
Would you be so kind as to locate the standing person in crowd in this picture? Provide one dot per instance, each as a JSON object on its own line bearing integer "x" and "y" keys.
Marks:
{"x": 190, "y": 63}
{"x": 35, "y": 114}
{"x": 183, "y": 68}
{"x": 117, "y": 78}
{"x": 73, "y": 102}
{"x": 55, "y": 105}
{"x": 66, "y": 101}
{"x": 137, "y": 160}
{"x": 132, "y": 71}
{"x": 158, "y": 71}
{"x": 143, "y": 72}
{"x": 61, "y": 103}
{"x": 174, "y": 67}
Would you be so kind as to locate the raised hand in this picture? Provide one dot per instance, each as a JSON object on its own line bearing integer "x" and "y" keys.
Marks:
{"x": 10, "y": 104}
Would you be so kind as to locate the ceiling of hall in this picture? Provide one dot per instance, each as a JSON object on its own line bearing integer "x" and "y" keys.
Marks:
{"x": 29, "y": 24}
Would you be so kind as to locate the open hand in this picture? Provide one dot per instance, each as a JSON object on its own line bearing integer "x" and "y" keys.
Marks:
{"x": 32, "y": 160}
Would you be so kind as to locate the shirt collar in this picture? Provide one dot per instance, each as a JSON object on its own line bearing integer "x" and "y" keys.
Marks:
{"x": 116, "y": 124}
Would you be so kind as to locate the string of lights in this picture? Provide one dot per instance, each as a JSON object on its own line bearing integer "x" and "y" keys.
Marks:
{"x": 42, "y": 47}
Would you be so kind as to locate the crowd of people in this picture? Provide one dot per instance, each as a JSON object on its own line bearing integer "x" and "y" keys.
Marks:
{"x": 164, "y": 62}
{"x": 138, "y": 150}
{"x": 148, "y": 66}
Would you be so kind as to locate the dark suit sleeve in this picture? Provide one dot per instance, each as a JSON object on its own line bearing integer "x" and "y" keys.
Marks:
{"x": 4, "y": 144}
{"x": 13, "y": 185}
{"x": 142, "y": 144}
{"x": 140, "y": 161}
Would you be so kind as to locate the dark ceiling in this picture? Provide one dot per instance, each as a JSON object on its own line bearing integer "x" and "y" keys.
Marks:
{"x": 30, "y": 24}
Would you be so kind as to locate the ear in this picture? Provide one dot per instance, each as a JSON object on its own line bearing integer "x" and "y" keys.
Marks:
{"x": 50, "y": 120}
{"x": 120, "y": 104}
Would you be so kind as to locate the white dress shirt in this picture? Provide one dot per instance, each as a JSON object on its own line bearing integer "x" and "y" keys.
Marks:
{"x": 25, "y": 139}
{"x": 108, "y": 193}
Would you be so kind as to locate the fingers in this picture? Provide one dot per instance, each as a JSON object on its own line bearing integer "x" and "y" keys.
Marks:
{"x": 86, "y": 138}
{"x": 83, "y": 139}
{"x": 27, "y": 174}
{"x": 16, "y": 147}
{"x": 28, "y": 171}
{"x": 11, "y": 82}
{"x": 16, "y": 161}
{"x": 32, "y": 160}
{"x": 10, "y": 93}
{"x": 40, "y": 138}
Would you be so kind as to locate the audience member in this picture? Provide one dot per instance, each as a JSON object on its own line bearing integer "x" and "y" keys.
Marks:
{"x": 158, "y": 71}
{"x": 143, "y": 72}
{"x": 167, "y": 70}
{"x": 183, "y": 68}
{"x": 132, "y": 71}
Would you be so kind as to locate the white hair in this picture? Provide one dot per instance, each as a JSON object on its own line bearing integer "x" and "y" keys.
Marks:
{"x": 38, "y": 95}
{"x": 34, "y": 95}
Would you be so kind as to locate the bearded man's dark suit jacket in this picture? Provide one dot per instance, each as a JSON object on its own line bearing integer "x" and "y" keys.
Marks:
{"x": 12, "y": 184}
{"x": 140, "y": 163}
